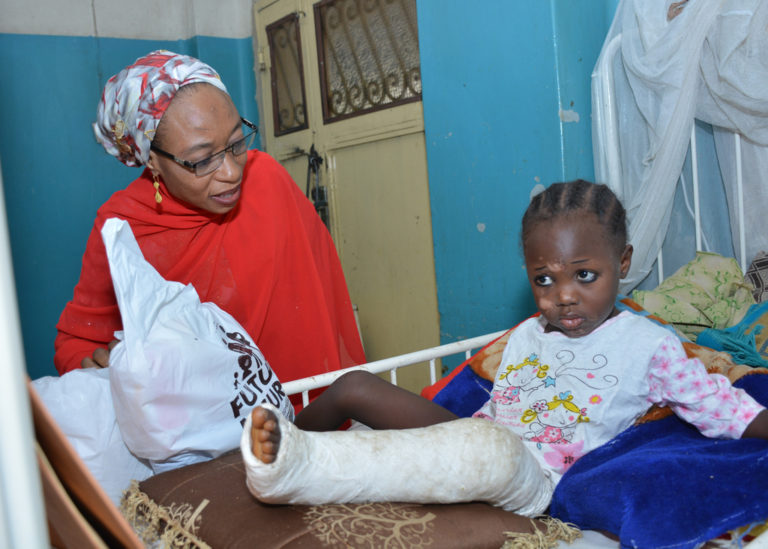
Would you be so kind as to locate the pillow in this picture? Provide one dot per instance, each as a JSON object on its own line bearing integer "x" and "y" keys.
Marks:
{"x": 757, "y": 275}
{"x": 208, "y": 505}
{"x": 707, "y": 292}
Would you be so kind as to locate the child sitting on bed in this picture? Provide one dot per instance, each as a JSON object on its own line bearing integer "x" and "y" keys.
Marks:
{"x": 569, "y": 381}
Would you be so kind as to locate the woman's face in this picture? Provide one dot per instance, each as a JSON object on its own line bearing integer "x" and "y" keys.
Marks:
{"x": 198, "y": 123}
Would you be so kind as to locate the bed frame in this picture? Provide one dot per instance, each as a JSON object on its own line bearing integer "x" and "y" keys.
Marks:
{"x": 429, "y": 356}
{"x": 691, "y": 190}
{"x": 22, "y": 515}
{"x": 20, "y": 484}
{"x": 22, "y": 518}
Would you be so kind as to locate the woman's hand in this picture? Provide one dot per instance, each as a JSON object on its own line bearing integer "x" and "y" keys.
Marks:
{"x": 100, "y": 358}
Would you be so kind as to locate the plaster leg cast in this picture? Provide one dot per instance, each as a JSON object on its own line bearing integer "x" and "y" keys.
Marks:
{"x": 450, "y": 462}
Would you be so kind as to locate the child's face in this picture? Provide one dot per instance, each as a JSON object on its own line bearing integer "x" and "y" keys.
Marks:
{"x": 574, "y": 271}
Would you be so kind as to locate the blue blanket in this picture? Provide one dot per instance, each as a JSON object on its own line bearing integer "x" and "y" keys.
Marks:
{"x": 662, "y": 484}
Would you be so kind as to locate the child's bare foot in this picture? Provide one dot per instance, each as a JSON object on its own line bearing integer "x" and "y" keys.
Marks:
{"x": 265, "y": 434}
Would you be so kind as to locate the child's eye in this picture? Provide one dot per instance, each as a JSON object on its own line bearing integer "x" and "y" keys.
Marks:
{"x": 543, "y": 280}
{"x": 586, "y": 276}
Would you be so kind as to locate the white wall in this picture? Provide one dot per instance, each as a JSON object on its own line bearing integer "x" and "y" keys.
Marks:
{"x": 137, "y": 19}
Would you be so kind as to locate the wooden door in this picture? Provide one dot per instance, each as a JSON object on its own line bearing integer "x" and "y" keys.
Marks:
{"x": 367, "y": 128}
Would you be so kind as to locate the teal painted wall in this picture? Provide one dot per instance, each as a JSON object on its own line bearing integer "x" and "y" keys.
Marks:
{"x": 495, "y": 74}
{"x": 495, "y": 77}
{"x": 55, "y": 174}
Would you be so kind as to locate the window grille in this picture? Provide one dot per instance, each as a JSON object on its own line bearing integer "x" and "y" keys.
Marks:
{"x": 287, "y": 75}
{"x": 368, "y": 54}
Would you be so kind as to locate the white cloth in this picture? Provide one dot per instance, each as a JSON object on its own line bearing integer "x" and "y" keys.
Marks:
{"x": 462, "y": 460}
{"x": 652, "y": 78}
{"x": 81, "y": 404}
{"x": 567, "y": 396}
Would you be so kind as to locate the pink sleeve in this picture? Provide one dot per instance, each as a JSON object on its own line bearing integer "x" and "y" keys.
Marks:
{"x": 707, "y": 401}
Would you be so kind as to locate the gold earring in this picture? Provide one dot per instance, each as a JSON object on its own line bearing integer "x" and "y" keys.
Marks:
{"x": 156, "y": 184}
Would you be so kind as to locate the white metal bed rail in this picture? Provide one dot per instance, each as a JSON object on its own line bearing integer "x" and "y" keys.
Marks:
{"x": 392, "y": 364}
{"x": 742, "y": 251}
{"x": 22, "y": 515}
{"x": 611, "y": 161}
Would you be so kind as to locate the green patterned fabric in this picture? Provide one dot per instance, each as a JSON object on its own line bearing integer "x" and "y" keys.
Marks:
{"x": 708, "y": 292}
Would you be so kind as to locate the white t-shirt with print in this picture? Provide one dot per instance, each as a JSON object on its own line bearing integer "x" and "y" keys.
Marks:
{"x": 566, "y": 396}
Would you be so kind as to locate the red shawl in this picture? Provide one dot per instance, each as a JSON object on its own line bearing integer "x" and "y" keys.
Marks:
{"x": 269, "y": 262}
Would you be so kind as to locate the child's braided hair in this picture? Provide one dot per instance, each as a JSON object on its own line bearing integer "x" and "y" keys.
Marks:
{"x": 561, "y": 199}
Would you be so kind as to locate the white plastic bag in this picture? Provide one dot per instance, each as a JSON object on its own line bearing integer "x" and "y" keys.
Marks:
{"x": 81, "y": 403}
{"x": 185, "y": 374}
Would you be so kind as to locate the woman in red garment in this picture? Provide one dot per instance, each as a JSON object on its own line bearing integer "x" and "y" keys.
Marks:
{"x": 207, "y": 211}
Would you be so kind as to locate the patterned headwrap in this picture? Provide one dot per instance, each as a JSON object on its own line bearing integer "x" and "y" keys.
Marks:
{"x": 135, "y": 99}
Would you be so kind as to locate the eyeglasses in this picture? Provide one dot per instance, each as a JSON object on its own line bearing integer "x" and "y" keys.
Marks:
{"x": 212, "y": 163}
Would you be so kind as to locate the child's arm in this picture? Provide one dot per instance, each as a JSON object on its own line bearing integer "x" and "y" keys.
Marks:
{"x": 758, "y": 428}
{"x": 707, "y": 401}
